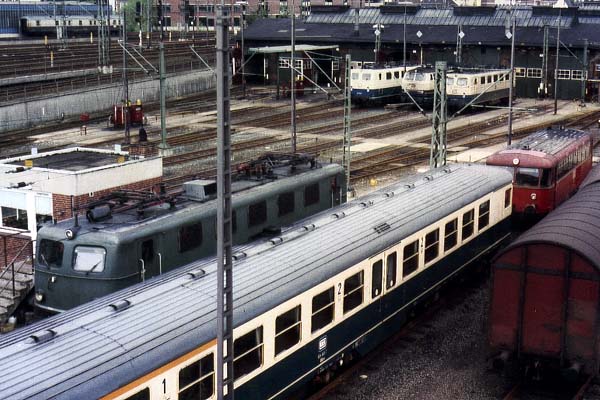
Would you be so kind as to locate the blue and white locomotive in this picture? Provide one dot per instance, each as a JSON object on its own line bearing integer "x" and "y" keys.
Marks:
{"x": 323, "y": 292}
{"x": 126, "y": 240}
{"x": 377, "y": 84}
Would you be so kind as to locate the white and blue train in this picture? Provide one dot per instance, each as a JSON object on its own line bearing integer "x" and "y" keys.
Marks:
{"x": 377, "y": 84}
{"x": 463, "y": 86}
{"x": 325, "y": 291}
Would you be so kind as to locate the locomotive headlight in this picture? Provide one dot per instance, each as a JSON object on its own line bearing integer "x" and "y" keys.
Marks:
{"x": 533, "y": 196}
{"x": 71, "y": 232}
{"x": 39, "y": 296}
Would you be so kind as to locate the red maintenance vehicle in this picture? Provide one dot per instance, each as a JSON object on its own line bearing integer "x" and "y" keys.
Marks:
{"x": 548, "y": 167}
{"x": 545, "y": 302}
{"x": 136, "y": 114}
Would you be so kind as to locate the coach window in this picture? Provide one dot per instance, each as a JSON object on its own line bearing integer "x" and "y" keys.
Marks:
{"x": 143, "y": 394}
{"x": 366, "y": 77}
{"x": 287, "y": 329}
{"x": 285, "y": 203}
{"x": 322, "y": 310}
{"x": 507, "y": 197}
{"x": 311, "y": 195}
{"x": 450, "y": 234}
{"x": 388, "y": 75}
{"x": 527, "y": 176}
{"x": 353, "y": 291}
{"x": 396, "y": 74}
{"x": 467, "y": 224}
{"x": 390, "y": 275}
{"x": 377, "y": 275}
{"x": 197, "y": 380}
{"x": 37, "y": 22}
{"x": 432, "y": 245}
{"x": 379, "y": 76}
{"x": 411, "y": 258}
{"x": 248, "y": 351}
{"x": 190, "y": 237}
{"x": 484, "y": 215}
{"x": 257, "y": 213}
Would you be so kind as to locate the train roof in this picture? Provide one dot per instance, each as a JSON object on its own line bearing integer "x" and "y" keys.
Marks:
{"x": 248, "y": 191}
{"x": 574, "y": 226}
{"x": 478, "y": 71}
{"x": 544, "y": 144}
{"x": 101, "y": 347}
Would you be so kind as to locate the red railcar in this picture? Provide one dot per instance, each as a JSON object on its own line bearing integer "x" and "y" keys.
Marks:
{"x": 548, "y": 167}
{"x": 545, "y": 303}
{"x": 136, "y": 114}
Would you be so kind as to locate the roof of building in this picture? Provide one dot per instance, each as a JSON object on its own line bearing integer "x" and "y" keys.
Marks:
{"x": 78, "y": 160}
{"x": 481, "y": 25}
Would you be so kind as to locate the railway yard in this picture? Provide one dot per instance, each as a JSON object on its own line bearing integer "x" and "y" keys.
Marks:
{"x": 442, "y": 352}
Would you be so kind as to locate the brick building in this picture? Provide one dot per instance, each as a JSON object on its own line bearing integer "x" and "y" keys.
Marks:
{"x": 43, "y": 187}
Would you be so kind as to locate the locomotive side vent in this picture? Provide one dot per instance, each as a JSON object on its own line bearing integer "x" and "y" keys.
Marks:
{"x": 382, "y": 227}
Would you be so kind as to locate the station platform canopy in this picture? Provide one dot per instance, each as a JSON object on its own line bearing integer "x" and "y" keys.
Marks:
{"x": 288, "y": 48}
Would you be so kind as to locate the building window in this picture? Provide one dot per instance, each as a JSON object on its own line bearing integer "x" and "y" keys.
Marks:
{"x": 432, "y": 241}
{"x": 390, "y": 277}
{"x": 284, "y": 63}
{"x": 285, "y": 203}
{"x": 353, "y": 291}
{"x": 520, "y": 72}
{"x": 287, "y": 329}
{"x": 335, "y": 64}
{"x": 564, "y": 74}
{"x": 196, "y": 381}
{"x": 248, "y": 351}
{"x": 143, "y": 394}
{"x": 484, "y": 215}
{"x": 322, "y": 310}
{"x": 534, "y": 72}
{"x": 467, "y": 224}
{"x": 190, "y": 237}
{"x": 507, "y": 197}
{"x": 577, "y": 74}
{"x": 311, "y": 195}
{"x": 450, "y": 234}
{"x": 14, "y": 218}
{"x": 257, "y": 213}
{"x": 411, "y": 258}
{"x": 376, "y": 276}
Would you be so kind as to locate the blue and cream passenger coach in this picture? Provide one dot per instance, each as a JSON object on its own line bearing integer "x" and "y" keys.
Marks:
{"x": 327, "y": 289}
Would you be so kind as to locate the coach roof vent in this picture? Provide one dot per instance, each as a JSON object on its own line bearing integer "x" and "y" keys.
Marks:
{"x": 198, "y": 273}
{"x": 43, "y": 336}
{"x": 382, "y": 227}
{"x": 120, "y": 305}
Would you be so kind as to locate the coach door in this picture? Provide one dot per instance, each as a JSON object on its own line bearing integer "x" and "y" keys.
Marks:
{"x": 377, "y": 280}
{"x": 149, "y": 257}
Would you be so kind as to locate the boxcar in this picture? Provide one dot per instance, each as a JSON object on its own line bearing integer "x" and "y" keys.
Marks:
{"x": 327, "y": 290}
{"x": 548, "y": 166}
{"x": 545, "y": 302}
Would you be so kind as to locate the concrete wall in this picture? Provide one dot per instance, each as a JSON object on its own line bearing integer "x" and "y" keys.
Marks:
{"x": 38, "y": 111}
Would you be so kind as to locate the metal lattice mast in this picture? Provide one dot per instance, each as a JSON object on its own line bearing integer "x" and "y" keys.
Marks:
{"x": 440, "y": 116}
{"x": 293, "y": 80}
{"x": 556, "y": 64}
{"x": 163, "y": 101}
{"x": 544, "y": 87}
{"x": 224, "y": 254}
{"x": 511, "y": 78}
{"x": 584, "y": 70}
{"x": 125, "y": 83}
{"x": 346, "y": 156}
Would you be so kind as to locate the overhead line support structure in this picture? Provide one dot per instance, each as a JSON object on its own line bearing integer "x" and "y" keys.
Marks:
{"x": 440, "y": 115}
{"x": 224, "y": 241}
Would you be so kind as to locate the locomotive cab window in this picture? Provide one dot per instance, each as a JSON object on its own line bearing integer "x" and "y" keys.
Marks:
{"x": 449, "y": 81}
{"x": 311, "y": 194}
{"x": 353, "y": 291}
{"x": 287, "y": 329}
{"x": 484, "y": 215}
{"x": 461, "y": 82}
{"x": 376, "y": 277}
{"x": 467, "y": 224}
{"x": 285, "y": 203}
{"x": 257, "y": 213}
{"x": 546, "y": 179}
{"x": 450, "y": 234}
{"x": 396, "y": 74}
{"x": 50, "y": 253}
{"x": 89, "y": 259}
{"x": 322, "y": 310}
{"x": 143, "y": 394}
{"x": 390, "y": 274}
{"x": 432, "y": 245}
{"x": 190, "y": 237}
{"x": 197, "y": 380}
{"x": 248, "y": 351}
{"x": 355, "y": 76}
{"x": 527, "y": 177}
{"x": 411, "y": 258}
